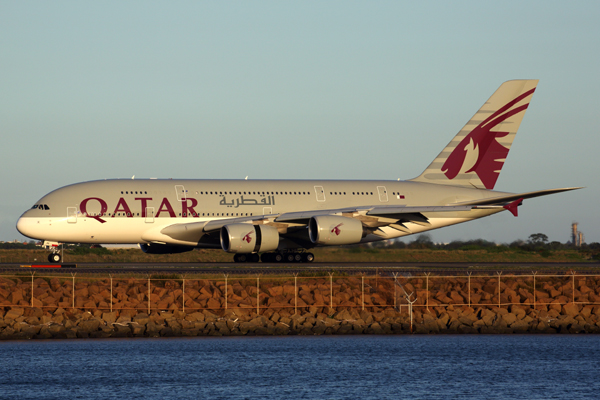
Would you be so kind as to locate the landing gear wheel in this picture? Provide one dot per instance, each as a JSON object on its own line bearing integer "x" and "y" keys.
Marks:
{"x": 54, "y": 258}
{"x": 278, "y": 257}
{"x": 240, "y": 258}
{"x": 253, "y": 258}
{"x": 308, "y": 257}
{"x": 297, "y": 257}
{"x": 290, "y": 257}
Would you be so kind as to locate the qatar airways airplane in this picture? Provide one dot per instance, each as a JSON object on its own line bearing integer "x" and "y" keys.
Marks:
{"x": 282, "y": 219}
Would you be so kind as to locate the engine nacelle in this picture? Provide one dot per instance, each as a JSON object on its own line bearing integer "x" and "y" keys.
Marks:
{"x": 331, "y": 230}
{"x": 155, "y": 248}
{"x": 247, "y": 238}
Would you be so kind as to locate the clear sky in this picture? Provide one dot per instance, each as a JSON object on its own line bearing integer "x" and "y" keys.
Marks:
{"x": 299, "y": 90}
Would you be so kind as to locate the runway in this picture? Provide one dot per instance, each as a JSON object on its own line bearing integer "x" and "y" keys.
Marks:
{"x": 350, "y": 268}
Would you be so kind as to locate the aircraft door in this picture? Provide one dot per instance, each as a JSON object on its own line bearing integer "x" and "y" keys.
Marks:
{"x": 149, "y": 214}
{"x": 383, "y": 197}
{"x": 320, "y": 193}
{"x": 72, "y": 215}
{"x": 181, "y": 192}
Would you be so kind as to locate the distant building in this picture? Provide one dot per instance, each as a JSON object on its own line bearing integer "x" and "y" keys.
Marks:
{"x": 577, "y": 238}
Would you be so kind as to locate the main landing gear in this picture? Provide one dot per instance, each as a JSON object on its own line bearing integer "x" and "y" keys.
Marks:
{"x": 290, "y": 257}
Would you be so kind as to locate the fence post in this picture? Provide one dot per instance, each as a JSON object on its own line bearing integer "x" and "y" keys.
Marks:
{"x": 226, "y": 275}
{"x": 410, "y": 310}
{"x": 330, "y": 292}
{"x": 258, "y": 295}
{"x": 363, "y": 292}
{"x": 427, "y": 290}
{"x": 111, "y": 296}
{"x": 73, "y": 290}
{"x": 149, "y": 294}
{"x": 395, "y": 274}
{"x": 295, "y": 293}
{"x": 534, "y": 298}
{"x": 573, "y": 274}
{"x": 469, "y": 289}
{"x": 499, "y": 273}
{"x": 32, "y": 274}
{"x": 183, "y": 296}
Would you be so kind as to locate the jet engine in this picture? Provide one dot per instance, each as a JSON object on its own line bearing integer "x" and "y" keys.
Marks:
{"x": 247, "y": 238}
{"x": 155, "y": 248}
{"x": 331, "y": 230}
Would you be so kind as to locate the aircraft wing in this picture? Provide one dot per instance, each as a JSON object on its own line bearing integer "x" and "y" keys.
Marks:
{"x": 371, "y": 216}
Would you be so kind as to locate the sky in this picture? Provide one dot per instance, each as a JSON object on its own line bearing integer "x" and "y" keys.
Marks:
{"x": 297, "y": 90}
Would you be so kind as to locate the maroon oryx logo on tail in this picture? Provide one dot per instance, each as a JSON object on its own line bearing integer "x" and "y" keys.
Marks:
{"x": 247, "y": 238}
{"x": 480, "y": 151}
{"x": 336, "y": 229}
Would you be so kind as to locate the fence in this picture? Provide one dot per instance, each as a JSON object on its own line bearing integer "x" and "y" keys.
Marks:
{"x": 296, "y": 293}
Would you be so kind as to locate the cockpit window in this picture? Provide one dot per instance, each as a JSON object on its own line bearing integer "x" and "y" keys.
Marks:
{"x": 40, "y": 206}
{"x": 46, "y": 207}
{"x": 34, "y": 206}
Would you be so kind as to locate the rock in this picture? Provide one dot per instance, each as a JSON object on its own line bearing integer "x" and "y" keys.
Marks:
{"x": 467, "y": 320}
{"x": 520, "y": 326}
{"x": 167, "y": 332}
{"x": 43, "y": 333}
{"x": 13, "y": 313}
{"x": 121, "y": 330}
{"x": 576, "y": 328}
{"x": 91, "y": 325}
{"x": 509, "y": 318}
{"x": 570, "y": 309}
{"x": 109, "y": 317}
{"x": 442, "y": 321}
{"x": 467, "y": 329}
{"x": 319, "y": 328}
{"x": 141, "y": 319}
{"x": 123, "y": 319}
{"x": 137, "y": 329}
{"x": 153, "y": 329}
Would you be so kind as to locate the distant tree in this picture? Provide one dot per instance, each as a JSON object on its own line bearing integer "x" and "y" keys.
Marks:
{"x": 423, "y": 241}
{"x": 397, "y": 244}
{"x": 538, "y": 239}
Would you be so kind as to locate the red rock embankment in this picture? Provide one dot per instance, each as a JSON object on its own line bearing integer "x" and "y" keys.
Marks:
{"x": 86, "y": 307}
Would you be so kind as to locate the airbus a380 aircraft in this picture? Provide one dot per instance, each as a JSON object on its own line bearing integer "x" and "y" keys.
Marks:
{"x": 282, "y": 218}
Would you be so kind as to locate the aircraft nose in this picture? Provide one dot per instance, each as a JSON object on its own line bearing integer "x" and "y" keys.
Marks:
{"x": 26, "y": 227}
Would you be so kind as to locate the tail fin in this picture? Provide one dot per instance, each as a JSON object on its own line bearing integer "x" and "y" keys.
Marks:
{"x": 477, "y": 153}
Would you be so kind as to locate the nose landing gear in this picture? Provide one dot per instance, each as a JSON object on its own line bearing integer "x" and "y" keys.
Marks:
{"x": 54, "y": 257}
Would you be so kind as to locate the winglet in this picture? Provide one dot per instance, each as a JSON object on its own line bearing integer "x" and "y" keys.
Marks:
{"x": 513, "y": 207}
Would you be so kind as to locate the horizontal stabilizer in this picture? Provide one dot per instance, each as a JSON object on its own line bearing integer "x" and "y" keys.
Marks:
{"x": 501, "y": 200}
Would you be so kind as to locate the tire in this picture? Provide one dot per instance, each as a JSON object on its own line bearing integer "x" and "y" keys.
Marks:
{"x": 290, "y": 257}
{"x": 278, "y": 257}
{"x": 297, "y": 257}
{"x": 253, "y": 258}
{"x": 309, "y": 257}
{"x": 266, "y": 257}
{"x": 54, "y": 258}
